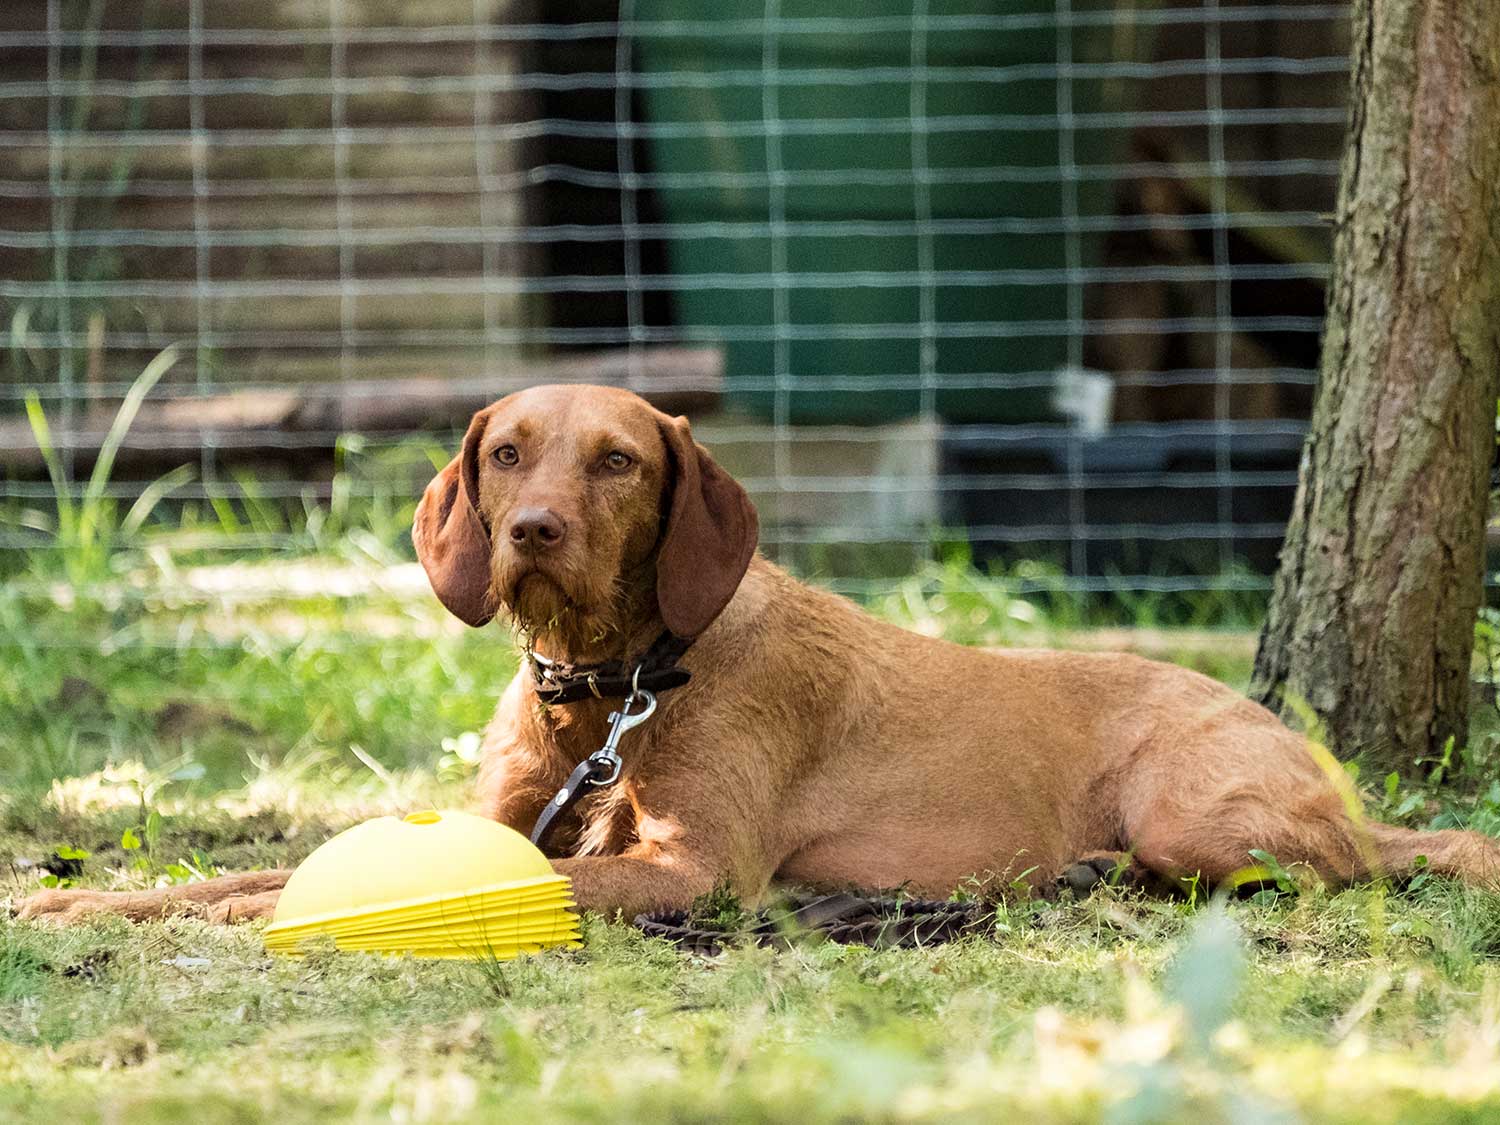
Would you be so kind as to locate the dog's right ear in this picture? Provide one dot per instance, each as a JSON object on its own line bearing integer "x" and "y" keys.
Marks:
{"x": 451, "y": 538}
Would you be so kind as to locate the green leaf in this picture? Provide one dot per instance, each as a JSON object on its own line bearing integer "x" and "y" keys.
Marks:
{"x": 1274, "y": 868}
{"x": 73, "y": 853}
{"x": 130, "y": 841}
{"x": 1409, "y": 804}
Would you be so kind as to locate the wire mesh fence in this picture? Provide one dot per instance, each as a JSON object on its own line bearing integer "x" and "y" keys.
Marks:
{"x": 1043, "y": 278}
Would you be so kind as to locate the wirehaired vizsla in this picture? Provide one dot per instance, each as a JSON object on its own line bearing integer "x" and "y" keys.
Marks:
{"x": 812, "y": 743}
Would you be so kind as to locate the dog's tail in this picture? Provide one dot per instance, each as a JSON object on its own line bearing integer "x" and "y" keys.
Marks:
{"x": 1402, "y": 853}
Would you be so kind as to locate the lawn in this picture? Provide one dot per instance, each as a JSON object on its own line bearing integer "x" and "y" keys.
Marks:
{"x": 227, "y": 718}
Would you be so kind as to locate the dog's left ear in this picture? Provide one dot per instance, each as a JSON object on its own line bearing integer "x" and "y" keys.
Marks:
{"x": 451, "y": 539}
{"x": 709, "y": 538}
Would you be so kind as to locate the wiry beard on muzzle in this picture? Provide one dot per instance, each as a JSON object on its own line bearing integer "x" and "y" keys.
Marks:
{"x": 556, "y": 608}
{"x": 537, "y": 604}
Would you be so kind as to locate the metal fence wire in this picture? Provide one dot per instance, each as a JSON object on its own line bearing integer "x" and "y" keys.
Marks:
{"x": 1042, "y": 277}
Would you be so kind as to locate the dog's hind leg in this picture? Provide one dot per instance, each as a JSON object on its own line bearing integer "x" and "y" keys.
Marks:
{"x": 1297, "y": 821}
{"x": 1470, "y": 856}
{"x": 1215, "y": 845}
{"x": 244, "y": 908}
{"x": 229, "y": 898}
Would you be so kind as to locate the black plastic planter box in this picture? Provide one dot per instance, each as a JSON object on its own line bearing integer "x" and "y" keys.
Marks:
{"x": 1180, "y": 500}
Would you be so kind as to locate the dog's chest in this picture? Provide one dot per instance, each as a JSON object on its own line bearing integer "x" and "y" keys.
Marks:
{"x": 609, "y": 822}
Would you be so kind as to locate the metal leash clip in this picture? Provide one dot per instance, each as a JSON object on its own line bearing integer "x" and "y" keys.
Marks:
{"x": 619, "y": 722}
{"x": 607, "y": 757}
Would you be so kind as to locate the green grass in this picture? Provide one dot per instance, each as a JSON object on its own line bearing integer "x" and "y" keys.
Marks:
{"x": 214, "y": 693}
{"x": 219, "y": 732}
{"x": 1359, "y": 1006}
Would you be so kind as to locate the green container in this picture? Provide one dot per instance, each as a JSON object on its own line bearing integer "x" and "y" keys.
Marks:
{"x": 854, "y": 347}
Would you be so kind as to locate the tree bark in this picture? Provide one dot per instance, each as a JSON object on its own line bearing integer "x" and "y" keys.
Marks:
{"x": 1371, "y": 623}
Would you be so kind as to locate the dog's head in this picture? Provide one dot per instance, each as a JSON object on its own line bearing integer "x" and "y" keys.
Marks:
{"x": 580, "y": 512}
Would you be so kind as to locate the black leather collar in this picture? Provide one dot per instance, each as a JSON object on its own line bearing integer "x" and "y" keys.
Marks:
{"x": 656, "y": 671}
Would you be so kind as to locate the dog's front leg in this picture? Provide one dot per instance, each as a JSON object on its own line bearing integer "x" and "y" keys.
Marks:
{"x": 671, "y": 864}
{"x": 228, "y": 898}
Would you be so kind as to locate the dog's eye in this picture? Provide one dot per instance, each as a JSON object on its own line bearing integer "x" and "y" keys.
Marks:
{"x": 618, "y": 461}
{"x": 506, "y": 454}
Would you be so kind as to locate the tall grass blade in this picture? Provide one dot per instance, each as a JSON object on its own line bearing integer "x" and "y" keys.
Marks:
{"x": 152, "y": 495}
{"x": 41, "y": 432}
{"x": 20, "y": 324}
{"x": 124, "y": 418}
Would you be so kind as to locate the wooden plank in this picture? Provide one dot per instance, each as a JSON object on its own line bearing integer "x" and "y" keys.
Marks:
{"x": 248, "y": 423}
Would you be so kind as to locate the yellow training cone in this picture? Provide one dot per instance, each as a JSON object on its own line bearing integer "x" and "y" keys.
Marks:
{"x": 435, "y": 884}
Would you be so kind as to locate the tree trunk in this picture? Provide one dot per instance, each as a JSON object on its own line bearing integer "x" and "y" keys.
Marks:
{"x": 1371, "y": 625}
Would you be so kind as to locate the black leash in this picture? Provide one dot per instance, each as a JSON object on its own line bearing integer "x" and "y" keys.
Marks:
{"x": 600, "y": 768}
{"x": 884, "y": 923}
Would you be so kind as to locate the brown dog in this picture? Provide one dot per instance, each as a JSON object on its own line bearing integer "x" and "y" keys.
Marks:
{"x": 814, "y": 743}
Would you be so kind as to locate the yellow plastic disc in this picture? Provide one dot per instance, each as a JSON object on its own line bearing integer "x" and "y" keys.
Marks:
{"x": 432, "y": 884}
{"x": 428, "y": 855}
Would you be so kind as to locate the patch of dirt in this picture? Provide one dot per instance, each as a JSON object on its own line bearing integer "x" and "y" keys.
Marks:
{"x": 121, "y": 1049}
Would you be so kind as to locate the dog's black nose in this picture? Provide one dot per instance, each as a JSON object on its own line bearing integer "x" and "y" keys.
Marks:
{"x": 537, "y": 529}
